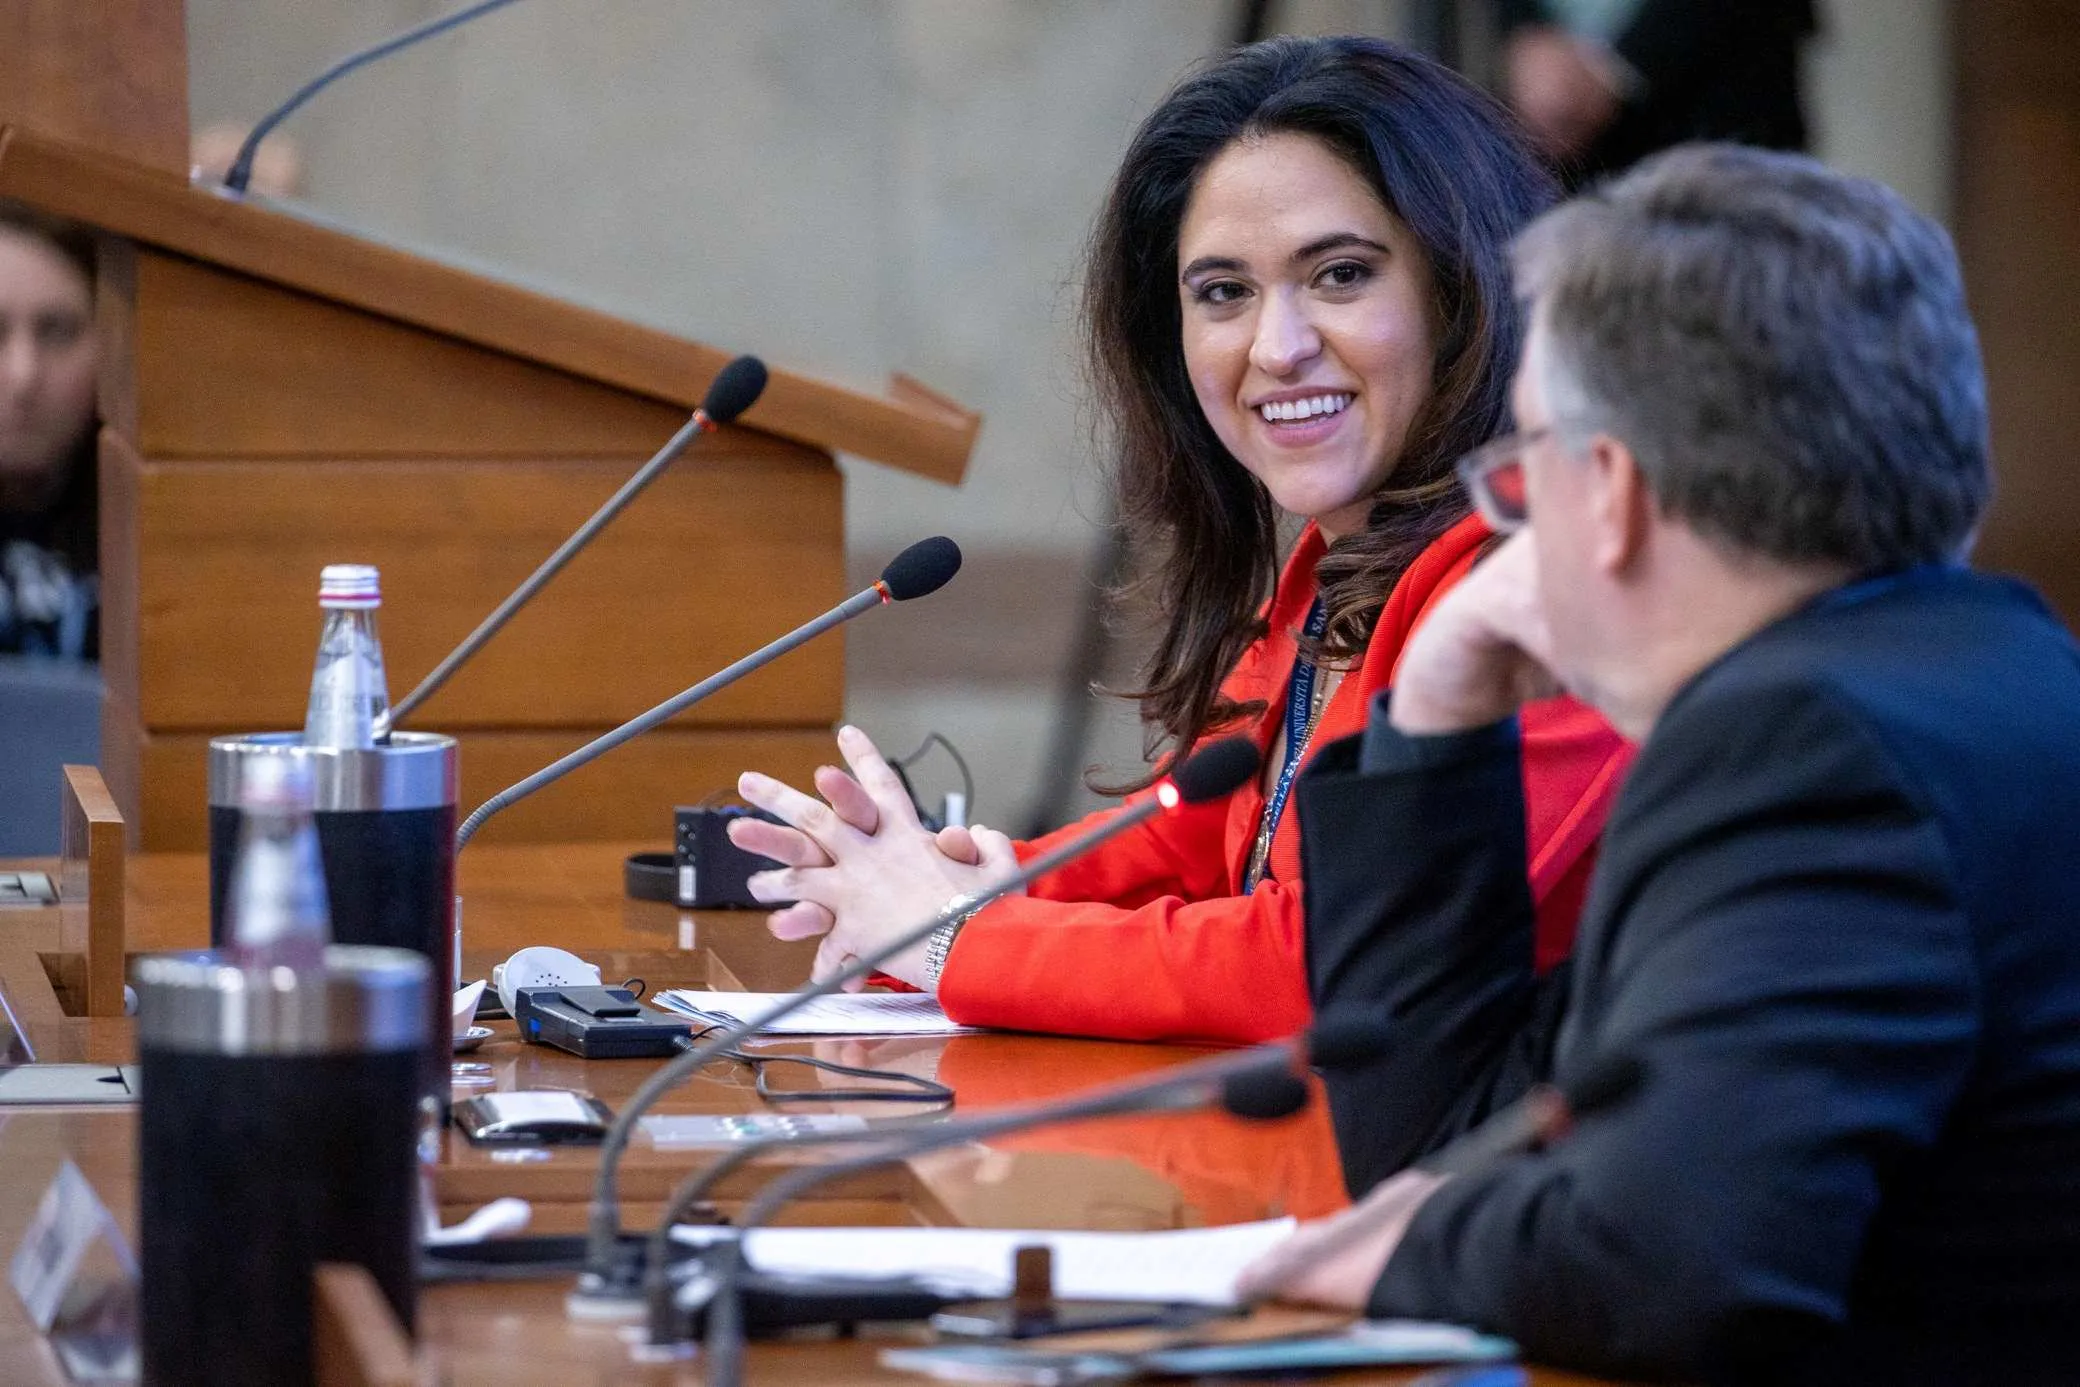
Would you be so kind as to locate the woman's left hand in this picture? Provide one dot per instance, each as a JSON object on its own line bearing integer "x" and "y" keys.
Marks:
{"x": 874, "y": 884}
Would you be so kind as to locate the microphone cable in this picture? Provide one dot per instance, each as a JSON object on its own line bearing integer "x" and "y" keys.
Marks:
{"x": 909, "y": 1088}
{"x": 241, "y": 170}
{"x": 901, "y": 766}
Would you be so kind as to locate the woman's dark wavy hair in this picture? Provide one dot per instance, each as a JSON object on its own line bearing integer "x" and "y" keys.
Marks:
{"x": 1447, "y": 160}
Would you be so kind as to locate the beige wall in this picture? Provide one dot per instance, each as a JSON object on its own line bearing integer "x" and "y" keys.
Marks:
{"x": 1879, "y": 94}
{"x": 851, "y": 187}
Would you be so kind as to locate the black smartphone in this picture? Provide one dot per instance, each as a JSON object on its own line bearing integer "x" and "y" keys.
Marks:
{"x": 533, "y": 1117}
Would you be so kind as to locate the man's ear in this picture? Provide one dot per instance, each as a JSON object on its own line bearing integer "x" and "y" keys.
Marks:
{"x": 1620, "y": 504}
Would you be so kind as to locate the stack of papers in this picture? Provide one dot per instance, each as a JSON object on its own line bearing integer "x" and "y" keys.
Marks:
{"x": 846, "y": 1013}
{"x": 1192, "y": 1266}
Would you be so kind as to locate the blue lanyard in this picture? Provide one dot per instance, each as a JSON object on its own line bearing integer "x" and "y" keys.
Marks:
{"x": 1299, "y": 723}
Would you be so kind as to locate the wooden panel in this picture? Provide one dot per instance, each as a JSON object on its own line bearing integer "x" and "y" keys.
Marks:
{"x": 627, "y": 794}
{"x": 110, "y": 75}
{"x": 2018, "y": 232}
{"x": 90, "y": 893}
{"x": 120, "y": 473}
{"x": 115, "y": 312}
{"x": 122, "y": 768}
{"x": 230, "y": 367}
{"x": 917, "y": 431}
{"x": 724, "y": 553}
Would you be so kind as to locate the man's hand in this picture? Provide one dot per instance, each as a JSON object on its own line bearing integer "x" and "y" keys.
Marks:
{"x": 1336, "y": 1261}
{"x": 860, "y": 867}
{"x": 1565, "y": 89}
{"x": 1481, "y": 653}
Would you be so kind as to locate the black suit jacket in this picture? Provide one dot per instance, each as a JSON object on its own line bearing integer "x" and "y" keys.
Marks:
{"x": 1709, "y": 70}
{"x": 1837, "y": 913}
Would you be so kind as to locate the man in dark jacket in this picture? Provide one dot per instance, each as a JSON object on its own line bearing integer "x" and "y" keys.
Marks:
{"x": 1836, "y": 915}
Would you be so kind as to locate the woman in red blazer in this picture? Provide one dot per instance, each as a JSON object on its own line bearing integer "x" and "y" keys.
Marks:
{"x": 1297, "y": 302}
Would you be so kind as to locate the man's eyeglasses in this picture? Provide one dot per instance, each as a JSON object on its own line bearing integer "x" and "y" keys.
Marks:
{"x": 1493, "y": 475}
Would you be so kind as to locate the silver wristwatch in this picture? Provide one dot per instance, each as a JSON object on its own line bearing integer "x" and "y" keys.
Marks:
{"x": 939, "y": 943}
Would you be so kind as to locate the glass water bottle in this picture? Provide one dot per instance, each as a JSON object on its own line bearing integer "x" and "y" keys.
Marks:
{"x": 278, "y": 915}
{"x": 350, "y": 697}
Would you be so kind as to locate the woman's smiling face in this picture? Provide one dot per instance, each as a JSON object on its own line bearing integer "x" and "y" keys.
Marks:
{"x": 1309, "y": 324}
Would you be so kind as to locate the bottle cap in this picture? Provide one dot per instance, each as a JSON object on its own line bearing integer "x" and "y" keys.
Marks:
{"x": 350, "y": 587}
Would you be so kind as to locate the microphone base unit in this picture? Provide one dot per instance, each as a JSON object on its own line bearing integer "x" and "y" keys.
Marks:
{"x": 774, "y": 1305}
{"x": 598, "y": 1023}
{"x": 533, "y": 1258}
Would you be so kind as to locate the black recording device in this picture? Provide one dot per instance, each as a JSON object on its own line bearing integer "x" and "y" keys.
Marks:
{"x": 706, "y": 871}
{"x": 597, "y": 1023}
{"x": 711, "y": 871}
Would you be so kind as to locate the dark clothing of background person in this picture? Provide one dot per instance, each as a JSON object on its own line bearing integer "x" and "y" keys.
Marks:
{"x": 1837, "y": 915}
{"x": 49, "y": 584}
{"x": 1708, "y": 70}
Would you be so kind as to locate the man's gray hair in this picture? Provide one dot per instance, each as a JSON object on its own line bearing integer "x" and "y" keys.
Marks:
{"x": 1785, "y": 349}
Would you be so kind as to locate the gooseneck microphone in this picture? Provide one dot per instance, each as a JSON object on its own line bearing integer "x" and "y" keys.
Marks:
{"x": 923, "y": 568}
{"x": 736, "y": 388}
{"x": 241, "y": 171}
{"x": 1207, "y": 774}
{"x": 1260, "y": 1083}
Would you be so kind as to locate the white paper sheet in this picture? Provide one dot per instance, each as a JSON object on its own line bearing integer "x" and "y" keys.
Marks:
{"x": 854, "y": 1013}
{"x": 1194, "y": 1266}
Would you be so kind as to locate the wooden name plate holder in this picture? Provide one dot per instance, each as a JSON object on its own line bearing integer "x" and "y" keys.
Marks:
{"x": 86, "y": 969}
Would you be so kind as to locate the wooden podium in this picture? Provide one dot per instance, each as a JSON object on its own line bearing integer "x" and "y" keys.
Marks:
{"x": 278, "y": 396}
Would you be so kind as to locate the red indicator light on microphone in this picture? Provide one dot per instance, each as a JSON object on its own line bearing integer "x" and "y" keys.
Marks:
{"x": 1168, "y": 795}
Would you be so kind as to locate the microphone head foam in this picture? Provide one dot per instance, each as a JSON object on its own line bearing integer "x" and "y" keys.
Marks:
{"x": 1342, "y": 1039}
{"x": 1263, "y": 1095}
{"x": 924, "y": 567}
{"x": 736, "y": 388}
{"x": 1607, "y": 1080}
{"x": 1216, "y": 769}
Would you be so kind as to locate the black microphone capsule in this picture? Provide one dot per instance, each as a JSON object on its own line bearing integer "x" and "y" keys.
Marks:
{"x": 923, "y": 568}
{"x": 736, "y": 388}
{"x": 1215, "y": 770}
{"x": 1263, "y": 1095}
{"x": 1337, "y": 1040}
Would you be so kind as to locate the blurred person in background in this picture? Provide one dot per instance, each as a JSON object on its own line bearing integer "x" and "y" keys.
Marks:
{"x": 49, "y": 365}
{"x": 1297, "y": 310}
{"x": 1602, "y": 84}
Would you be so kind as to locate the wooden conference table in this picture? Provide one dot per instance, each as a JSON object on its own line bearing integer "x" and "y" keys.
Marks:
{"x": 1124, "y": 1174}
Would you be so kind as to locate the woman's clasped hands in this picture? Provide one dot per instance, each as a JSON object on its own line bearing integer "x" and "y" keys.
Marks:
{"x": 858, "y": 866}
